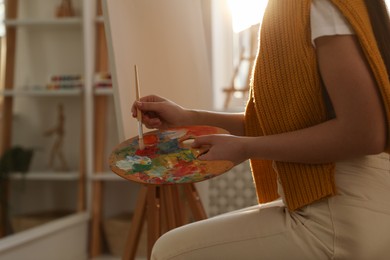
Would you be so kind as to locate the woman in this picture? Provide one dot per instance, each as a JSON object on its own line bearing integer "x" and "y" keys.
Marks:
{"x": 316, "y": 131}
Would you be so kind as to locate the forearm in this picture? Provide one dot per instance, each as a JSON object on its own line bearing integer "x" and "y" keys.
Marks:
{"x": 232, "y": 122}
{"x": 327, "y": 142}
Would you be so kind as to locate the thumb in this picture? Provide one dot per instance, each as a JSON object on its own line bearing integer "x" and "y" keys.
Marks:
{"x": 199, "y": 141}
{"x": 148, "y": 106}
{"x": 205, "y": 156}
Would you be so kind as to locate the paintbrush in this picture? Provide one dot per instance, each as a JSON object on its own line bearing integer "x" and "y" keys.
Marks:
{"x": 139, "y": 115}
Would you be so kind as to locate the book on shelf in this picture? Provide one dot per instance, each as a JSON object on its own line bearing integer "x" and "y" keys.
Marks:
{"x": 63, "y": 81}
{"x": 102, "y": 80}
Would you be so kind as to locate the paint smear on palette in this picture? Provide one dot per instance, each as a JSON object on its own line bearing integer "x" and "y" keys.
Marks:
{"x": 164, "y": 159}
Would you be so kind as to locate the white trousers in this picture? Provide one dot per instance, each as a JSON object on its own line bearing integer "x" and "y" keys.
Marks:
{"x": 353, "y": 225}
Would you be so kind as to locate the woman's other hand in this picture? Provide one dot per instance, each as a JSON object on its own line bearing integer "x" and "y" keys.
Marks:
{"x": 222, "y": 147}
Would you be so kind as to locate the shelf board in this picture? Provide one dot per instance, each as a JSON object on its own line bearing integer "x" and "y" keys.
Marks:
{"x": 47, "y": 176}
{"x": 44, "y": 22}
{"x": 103, "y": 91}
{"x": 106, "y": 176}
{"x": 32, "y": 92}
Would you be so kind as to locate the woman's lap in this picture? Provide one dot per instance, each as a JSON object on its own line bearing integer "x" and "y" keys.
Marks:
{"x": 263, "y": 232}
{"x": 354, "y": 224}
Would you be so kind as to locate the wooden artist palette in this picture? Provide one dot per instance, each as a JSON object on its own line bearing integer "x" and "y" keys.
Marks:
{"x": 167, "y": 158}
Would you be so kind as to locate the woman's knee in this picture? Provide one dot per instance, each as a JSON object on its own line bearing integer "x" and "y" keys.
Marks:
{"x": 166, "y": 247}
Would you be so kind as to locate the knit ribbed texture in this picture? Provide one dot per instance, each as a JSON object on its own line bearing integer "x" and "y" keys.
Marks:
{"x": 286, "y": 94}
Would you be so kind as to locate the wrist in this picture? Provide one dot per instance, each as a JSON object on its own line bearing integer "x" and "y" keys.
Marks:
{"x": 189, "y": 117}
{"x": 246, "y": 147}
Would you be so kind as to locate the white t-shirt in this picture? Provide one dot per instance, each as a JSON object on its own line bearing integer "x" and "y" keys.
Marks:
{"x": 326, "y": 19}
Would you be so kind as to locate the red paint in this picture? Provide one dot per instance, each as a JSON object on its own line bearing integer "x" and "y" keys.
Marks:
{"x": 200, "y": 130}
{"x": 183, "y": 168}
{"x": 149, "y": 151}
{"x": 150, "y": 139}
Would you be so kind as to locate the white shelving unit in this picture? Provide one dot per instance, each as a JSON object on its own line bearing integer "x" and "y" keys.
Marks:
{"x": 40, "y": 46}
{"x": 34, "y": 65}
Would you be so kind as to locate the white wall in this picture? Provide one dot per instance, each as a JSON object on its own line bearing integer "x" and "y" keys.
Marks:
{"x": 222, "y": 50}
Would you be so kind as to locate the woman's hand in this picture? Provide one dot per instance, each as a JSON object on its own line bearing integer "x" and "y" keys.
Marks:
{"x": 158, "y": 112}
{"x": 222, "y": 147}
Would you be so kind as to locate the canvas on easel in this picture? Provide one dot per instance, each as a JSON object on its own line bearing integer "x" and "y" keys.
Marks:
{"x": 166, "y": 40}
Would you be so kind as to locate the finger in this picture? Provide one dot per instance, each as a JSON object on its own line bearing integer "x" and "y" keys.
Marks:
{"x": 186, "y": 138}
{"x": 152, "y": 122}
{"x": 147, "y": 107}
{"x": 134, "y": 110}
{"x": 201, "y": 141}
{"x": 186, "y": 141}
{"x": 151, "y": 98}
{"x": 152, "y": 119}
{"x": 204, "y": 156}
{"x": 140, "y": 107}
{"x": 151, "y": 114}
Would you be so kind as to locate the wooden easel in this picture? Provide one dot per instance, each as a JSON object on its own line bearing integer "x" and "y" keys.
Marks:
{"x": 246, "y": 55}
{"x": 162, "y": 207}
{"x": 65, "y": 9}
{"x": 100, "y": 118}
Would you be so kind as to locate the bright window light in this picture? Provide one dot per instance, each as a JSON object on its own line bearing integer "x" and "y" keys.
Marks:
{"x": 246, "y": 13}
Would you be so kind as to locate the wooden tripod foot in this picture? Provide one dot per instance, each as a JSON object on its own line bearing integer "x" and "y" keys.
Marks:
{"x": 164, "y": 211}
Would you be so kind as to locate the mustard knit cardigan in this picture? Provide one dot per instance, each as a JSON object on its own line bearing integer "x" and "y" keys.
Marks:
{"x": 286, "y": 94}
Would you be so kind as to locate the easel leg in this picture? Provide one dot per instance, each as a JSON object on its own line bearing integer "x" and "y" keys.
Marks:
{"x": 153, "y": 215}
{"x": 179, "y": 207}
{"x": 136, "y": 225}
{"x": 194, "y": 202}
{"x": 157, "y": 202}
{"x": 168, "y": 207}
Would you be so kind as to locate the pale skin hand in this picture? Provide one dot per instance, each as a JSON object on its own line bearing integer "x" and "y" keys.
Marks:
{"x": 358, "y": 129}
{"x": 160, "y": 113}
